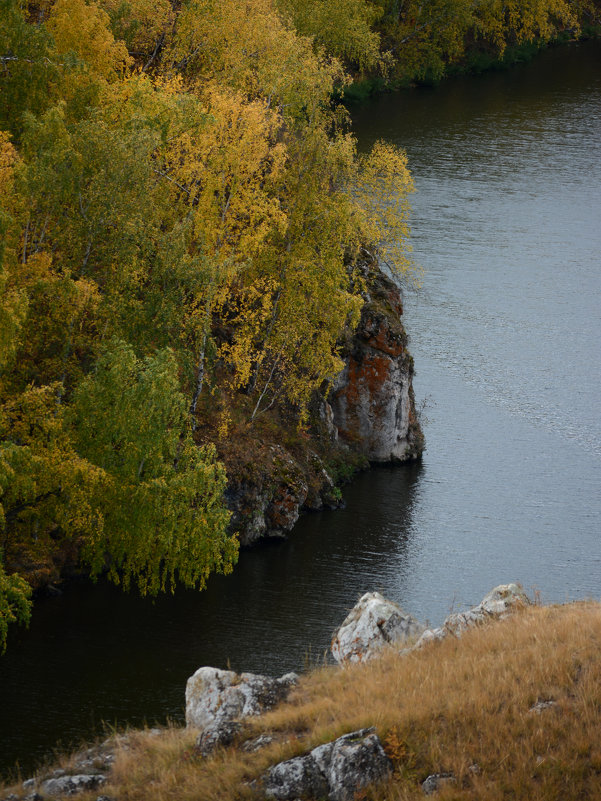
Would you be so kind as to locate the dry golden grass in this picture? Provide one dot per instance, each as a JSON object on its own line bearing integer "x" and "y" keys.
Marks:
{"x": 447, "y": 708}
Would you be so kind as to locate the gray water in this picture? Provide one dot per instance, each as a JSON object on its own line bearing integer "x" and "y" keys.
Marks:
{"x": 506, "y": 337}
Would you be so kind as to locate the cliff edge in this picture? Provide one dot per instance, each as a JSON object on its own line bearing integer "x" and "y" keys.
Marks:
{"x": 367, "y": 414}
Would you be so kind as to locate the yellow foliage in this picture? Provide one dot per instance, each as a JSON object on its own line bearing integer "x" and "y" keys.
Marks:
{"x": 384, "y": 185}
{"x": 516, "y": 21}
{"x": 230, "y": 171}
{"x": 246, "y": 46}
{"x": 8, "y": 159}
{"x": 13, "y": 303}
{"x": 139, "y": 22}
{"x": 84, "y": 29}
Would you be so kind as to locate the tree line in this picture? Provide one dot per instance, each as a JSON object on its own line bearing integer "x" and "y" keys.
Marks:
{"x": 181, "y": 205}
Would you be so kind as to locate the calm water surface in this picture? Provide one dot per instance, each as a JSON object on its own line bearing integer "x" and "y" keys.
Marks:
{"x": 506, "y": 335}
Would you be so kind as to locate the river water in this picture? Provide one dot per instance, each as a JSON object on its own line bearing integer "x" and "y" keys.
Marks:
{"x": 506, "y": 336}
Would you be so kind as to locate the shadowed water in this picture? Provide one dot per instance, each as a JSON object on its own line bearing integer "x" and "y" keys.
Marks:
{"x": 506, "y": 335}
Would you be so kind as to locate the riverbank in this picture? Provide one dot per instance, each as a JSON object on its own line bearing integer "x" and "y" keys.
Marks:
{"x": 512, "y": 709}
{"x": 277, "y": 470}
{"x": 475, "y": 61}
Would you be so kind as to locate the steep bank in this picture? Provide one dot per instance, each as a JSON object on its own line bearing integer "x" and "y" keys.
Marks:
{"x": 276, "y": 471}
{"x": 510, "y": 710}
{"x": 366, "y": 414}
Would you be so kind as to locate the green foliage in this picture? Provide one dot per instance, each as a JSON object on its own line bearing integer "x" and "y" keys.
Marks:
{"x": 15, "y": 603}
{"x": 161, "y": 501}
{"x": 425, "y": 39}
{"x": 344, "y": 28}
{"x": 29, "y": 66}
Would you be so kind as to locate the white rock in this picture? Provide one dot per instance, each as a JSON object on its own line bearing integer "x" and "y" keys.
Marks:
{"x": 336, "y": 770}
{"x": 217, "y": 699}
{"x": 540, "y": 706}
{"x": 436, "y": 781}
{"x": 499, "y": 603}
{"x": 71, "y": 785}
{"x": 372, "y": 623}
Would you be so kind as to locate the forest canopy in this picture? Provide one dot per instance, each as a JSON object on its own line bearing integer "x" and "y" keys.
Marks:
{"x": 181, "y": 208}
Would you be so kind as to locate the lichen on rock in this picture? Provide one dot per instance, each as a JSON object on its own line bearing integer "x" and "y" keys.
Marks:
{"x": 336, "y": 770}
{"x": 217, "y": 700}
{"x": 372, "y": 399}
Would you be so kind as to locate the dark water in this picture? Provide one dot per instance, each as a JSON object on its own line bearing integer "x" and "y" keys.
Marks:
{"x": 506, "y": 335}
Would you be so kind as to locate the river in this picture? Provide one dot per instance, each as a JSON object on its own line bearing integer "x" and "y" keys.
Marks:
{"x": 506, "y": 336}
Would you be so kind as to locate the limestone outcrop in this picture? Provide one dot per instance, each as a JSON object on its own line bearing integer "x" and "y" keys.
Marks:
{"x": 498, "y": 603}
{"x": 373, "y": 623}
{"x": 71, "y": 785}
{"x": 336, "y": 770}
{"x": 217, "y": 700}
{"x": 372, "y": 399}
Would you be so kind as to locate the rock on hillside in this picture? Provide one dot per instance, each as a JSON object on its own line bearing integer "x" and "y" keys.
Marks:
{"x": 216, "y": 701}
{"x": 372, "y": 623}
{"x": 375, "y": 622}
{"x": 335, "y": 770}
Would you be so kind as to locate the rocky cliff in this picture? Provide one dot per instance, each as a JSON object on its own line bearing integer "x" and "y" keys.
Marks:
{"x": 372, "y": 399}
{"x": 366, "y": 415}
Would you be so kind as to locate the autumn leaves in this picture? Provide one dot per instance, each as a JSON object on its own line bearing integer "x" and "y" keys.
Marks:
{"x": 181, "y": 206}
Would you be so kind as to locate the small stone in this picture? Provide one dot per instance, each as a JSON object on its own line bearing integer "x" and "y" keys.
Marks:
{"x": 257, "y": 743}
{"x": 540, "y": 706}
{"x": 28, "y": 784}
{"x": 435, "y": 781}
{"x": 218, "y": 733}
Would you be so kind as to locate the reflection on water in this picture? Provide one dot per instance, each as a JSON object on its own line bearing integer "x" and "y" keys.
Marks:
{"x": 506, "y": 335}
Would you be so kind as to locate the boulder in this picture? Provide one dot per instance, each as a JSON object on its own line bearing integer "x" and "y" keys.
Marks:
{"x": 217, "y": 699}
{"x": 499, "y": 603}
{"x": 372, "y": 624}
{"x": 335, "y": 771}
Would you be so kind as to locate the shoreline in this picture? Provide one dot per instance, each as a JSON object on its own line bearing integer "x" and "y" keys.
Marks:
{"x": 520, "y": 672}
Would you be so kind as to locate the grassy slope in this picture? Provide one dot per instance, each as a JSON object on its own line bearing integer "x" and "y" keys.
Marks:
{"x": 446, "y": 708}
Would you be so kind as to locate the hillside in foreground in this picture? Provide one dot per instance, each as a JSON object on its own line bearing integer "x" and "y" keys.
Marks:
{"x": 511, "y": 710}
